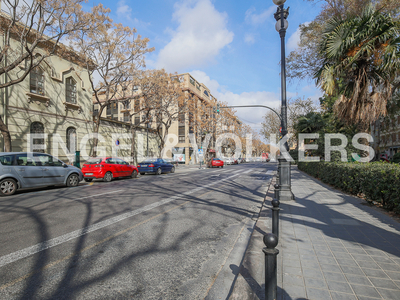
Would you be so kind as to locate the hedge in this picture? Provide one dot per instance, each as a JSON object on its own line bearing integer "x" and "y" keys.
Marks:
{"x": 375, "y": 181}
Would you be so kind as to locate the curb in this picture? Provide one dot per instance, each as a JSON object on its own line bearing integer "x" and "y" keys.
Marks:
{"x": 250, "y": 281}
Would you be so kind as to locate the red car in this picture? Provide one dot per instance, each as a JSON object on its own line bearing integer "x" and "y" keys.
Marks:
{"x": 215, "y": 162}
{"x": 107, "y": 168}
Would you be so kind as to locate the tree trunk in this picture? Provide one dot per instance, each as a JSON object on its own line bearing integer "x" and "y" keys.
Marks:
{"x": 6, "y": 136}
{"x": 96, "y": 130}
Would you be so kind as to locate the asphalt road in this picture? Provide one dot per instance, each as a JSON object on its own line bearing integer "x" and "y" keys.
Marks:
{"x": 173, "y": 236}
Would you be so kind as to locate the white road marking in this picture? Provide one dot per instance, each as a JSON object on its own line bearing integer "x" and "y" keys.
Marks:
{"x": 23, "y": 253}
{"x": 96, "y": 195}
{"x": 270, "y": 172}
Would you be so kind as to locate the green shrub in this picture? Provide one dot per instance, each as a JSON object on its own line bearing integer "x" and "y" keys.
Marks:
{"x": 396, "y": 158}
{"x": 376, "y": 181}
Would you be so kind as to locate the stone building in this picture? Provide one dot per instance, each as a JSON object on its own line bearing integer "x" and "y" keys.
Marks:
{"x": 50, "y": 110}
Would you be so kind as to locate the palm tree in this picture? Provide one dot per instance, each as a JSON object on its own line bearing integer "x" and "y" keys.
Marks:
{"x": 310, "y": 123}
{"x": 361, "y": 62}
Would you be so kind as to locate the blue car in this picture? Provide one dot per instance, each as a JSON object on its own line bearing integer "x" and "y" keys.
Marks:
{"x": 156, "y": 166}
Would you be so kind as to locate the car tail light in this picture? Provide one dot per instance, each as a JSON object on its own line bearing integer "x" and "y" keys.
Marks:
{"x": 99, "y": 166}
{"x": 151, "y": 166}
{"x": 138, "y": 166}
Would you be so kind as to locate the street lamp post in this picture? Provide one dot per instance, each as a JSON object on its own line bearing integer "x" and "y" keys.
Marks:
{"x": 282, "y": 24}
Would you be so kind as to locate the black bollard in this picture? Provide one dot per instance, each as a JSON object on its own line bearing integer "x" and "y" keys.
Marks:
{"x": 276, "y": 191}
{"x": 270, "y": 240}
{"x": 275, "y": 217}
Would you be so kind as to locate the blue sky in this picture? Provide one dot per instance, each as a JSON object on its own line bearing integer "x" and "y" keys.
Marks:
{"x": 231, "y": 46}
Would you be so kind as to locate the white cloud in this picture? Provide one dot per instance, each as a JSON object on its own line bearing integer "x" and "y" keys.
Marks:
{"x": 200, "y": 36}
{"x": 249, "y": 38}
{"x": 251, "y": 116}
{"x": 255, "y": 19}
{"x": 124, "y": 11}
{"x": 124, "y": 14}
{"x": 294, "y": 39}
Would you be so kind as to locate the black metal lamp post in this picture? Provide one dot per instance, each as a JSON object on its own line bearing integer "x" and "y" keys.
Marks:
{"x": 282, "y": 24}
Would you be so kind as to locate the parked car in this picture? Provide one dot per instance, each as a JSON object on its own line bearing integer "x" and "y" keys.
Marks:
{"x": 21, "y": 170}
{"x": 171, "y": 161}
{"x": 229, "y": 161}
{"x": 156, "y": 166}
{"x": 107, "y": 168}
{"x": 384, "y": 157}
{"x": 215, "y": 162}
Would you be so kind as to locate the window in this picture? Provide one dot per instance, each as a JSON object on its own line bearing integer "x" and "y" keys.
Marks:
{"x": 137, "y": 105}
{"x": 47, "y": 160}
{"x": 126, "y": 117}
{"x": 71, "y": 139}
{"x": 37, "y": 81}
{"x": 108, "y": 109}
{"x": 181, "y": 139}
{"x": 70, "y": 85}
{"x": 181, "y": 119}
{"x": 24, "y": 159}
{"x": 137, "y": 120}
{"x": 37, "y": 128}
{"x": 7, "y": 160}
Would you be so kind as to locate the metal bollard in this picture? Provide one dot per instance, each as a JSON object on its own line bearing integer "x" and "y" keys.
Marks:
{"x": 275, "y": 217}
{"x": 270, "y": 240}
{"x": 276, "y": 191}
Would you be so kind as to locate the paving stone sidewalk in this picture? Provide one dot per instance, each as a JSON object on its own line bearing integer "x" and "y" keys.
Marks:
{"x": 332, "y": 246}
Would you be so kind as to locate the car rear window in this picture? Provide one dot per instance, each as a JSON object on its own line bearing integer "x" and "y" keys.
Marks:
{"x": 149, "y": 161}
{"x": 7, "y": 160}
{"x": 93, "y": 161}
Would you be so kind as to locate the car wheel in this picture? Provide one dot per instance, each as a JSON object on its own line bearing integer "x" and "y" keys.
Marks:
{"x": 158, "y": 172}
{"x": 173, "y": 170}
{"x": 222, "y": 166}
{"x": 134, "y": 174}
{"x": 108, "y": 177}
{"x": 8, "y": 187}
{"x": 142, "y": 173}
{"x": 73, "y": 180}
{"x": 88, "y": 179}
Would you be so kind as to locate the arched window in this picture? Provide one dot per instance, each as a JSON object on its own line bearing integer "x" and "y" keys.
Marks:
{"x": 70, "y": 85}
{"x": 37, "y": 128}
{"x": 37, "y": 81}
{"x": 71, "y": 139}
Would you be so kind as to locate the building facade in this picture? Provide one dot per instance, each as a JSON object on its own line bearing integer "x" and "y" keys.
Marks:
{"x": 50, "y": 110}
{"x": 386, "y": 135}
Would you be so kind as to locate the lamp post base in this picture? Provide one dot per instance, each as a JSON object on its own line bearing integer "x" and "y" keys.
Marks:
{"x": 285, "y": 191}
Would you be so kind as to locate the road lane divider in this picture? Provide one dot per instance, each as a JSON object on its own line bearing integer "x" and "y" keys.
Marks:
{"x": 23, "y": 253}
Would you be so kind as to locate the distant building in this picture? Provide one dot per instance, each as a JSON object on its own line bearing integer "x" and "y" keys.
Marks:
{"x": 121, "y": 112}
{"x": 386, "y": 135}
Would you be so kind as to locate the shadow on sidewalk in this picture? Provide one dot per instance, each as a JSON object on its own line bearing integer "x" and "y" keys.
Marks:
{"x": 335, "y": 220}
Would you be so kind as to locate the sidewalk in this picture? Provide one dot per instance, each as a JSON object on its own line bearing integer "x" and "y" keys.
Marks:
{"x": 332, "y": 246}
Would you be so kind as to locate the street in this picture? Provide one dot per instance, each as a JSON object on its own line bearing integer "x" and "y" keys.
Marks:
{"x": 173, "y": 236}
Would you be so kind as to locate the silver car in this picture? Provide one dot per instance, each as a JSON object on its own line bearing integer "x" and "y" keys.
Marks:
{"x": 21, "y": 170}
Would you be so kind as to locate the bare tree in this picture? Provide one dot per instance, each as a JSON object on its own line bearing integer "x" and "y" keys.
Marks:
{"x": 31, "y": 32}
{"x": 114, "y": 54}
